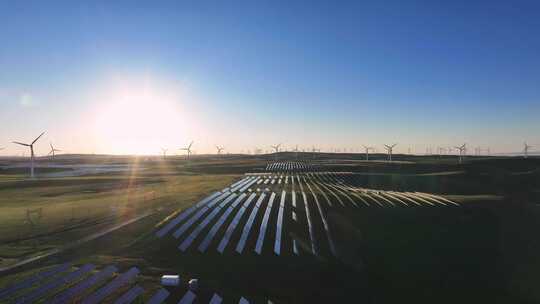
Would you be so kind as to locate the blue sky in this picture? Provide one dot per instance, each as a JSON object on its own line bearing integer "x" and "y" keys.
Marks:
{"x": 245, "y": 75}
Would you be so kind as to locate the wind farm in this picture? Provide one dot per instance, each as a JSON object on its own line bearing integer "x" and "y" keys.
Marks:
{"x": 192, "y": 152}
{"x": 180, "y": 214}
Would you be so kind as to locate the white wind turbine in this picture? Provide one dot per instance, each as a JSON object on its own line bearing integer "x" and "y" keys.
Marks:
{"x": 164, "y": 152}
{"x": 462, "y": 149}
{"x": 389, "y": 149}
{"x": 53, "y": 150}
{"x": 219, "y": 149}
{"x": 526, "y": 148}
{"x": 366, "y": 148}
{"x": 188, "y": 149}
{"x": 296, "y": 152}
{"x": 31, "y": 145}
{"x": 276, "y": 150}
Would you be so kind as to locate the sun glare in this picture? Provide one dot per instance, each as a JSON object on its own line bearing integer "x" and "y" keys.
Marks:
{"x": 139, "y": 119}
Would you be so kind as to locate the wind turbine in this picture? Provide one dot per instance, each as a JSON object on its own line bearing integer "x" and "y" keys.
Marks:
{"x": 296, "y": 152}
{"x": 440, "y": 150}
{"x": 462, "y": 150}
{"x": 313, "y": 150}
{"x": 276, "y": 150}
{"x": 526, "y": 149}
{"x": 219, "y": 149}
{"x": 367, "y": 151}
{"x": 188, "y": 149}
{"x": 164, "y": 152}
{"x": 31, "y": 145}
{"x": 389, "y": 149}
{"x": 53, "y": 150}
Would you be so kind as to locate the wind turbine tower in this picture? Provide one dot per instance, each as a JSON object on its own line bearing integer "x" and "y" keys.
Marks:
{"x": 188, "y": 149}
{"x": 276, "y": 150}
{"x": 164, "y": 152}
{"x": 462, "y": 150}
{"x": 366, "y": 148}
{"x": 526, "y": 148}
{"x": 31, "y": 145}
{"x": 53, "y": 150}
{"x": 389, "y": 149}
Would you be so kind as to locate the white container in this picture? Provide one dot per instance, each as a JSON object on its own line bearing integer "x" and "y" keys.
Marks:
{"x": 170, "y": 280}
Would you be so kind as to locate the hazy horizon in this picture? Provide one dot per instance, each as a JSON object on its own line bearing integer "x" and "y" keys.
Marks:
{"x": 119, "y": 79}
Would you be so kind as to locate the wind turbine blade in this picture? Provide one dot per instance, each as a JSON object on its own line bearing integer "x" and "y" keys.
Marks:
{"x": 38, "y": 137}
{"x": 190, "y": 144}
{"x": 20, "y": 143}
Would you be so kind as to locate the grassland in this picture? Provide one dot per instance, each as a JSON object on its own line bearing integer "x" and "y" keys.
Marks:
{"x": 486, "y": 251}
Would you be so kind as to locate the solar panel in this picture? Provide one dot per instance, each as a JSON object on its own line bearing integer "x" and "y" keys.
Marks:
{"x": 264, "y": 224}
{"x": 159, "y": 296}
{"x": 85, "y": 284}
{"x": 238, "y": 182}
{"x": 234, "y": 223}
{"x": 130, "y": 295}
{"x": 197, "y": 215}
{"x": 249, "y": 223}
{"x": 248, "y": 185}
{"x": 277, "y": 244}
{"x": 206, "y": 242}
{"x": 243, "y": 301}
{"x": 31, "y": 280}
{"x": 55, "y": 283}
{"x": 325, "y": 222}
{"x": 119, "y": 281}
{"x": 187, "y": 242}
{"x": 310, "y": 226}
{"x": 183, "y": 215}
{"x": 216, "y": 299}
{"x": 248, "y": 180}
{"x": 188, "y": 298}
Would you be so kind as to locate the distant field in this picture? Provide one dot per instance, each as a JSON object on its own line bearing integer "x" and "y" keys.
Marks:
{"x": 73, "y": 207}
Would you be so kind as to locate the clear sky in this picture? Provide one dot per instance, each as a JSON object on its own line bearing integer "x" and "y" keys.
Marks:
{"x": 123, "y": 78}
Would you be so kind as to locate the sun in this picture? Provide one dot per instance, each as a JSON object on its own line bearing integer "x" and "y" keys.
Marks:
{"x": 139, "y": 119}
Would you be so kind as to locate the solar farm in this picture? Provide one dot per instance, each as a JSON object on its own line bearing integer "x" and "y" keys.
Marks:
{"x": 271, "y": 229}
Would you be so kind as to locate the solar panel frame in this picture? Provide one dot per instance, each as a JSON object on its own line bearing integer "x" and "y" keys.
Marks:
{"x": 247, "y": 227}
{"x": 264, "y": 225}
{"x": 234, "y": 223}
{"x": 4, "y": 293}
{"x": 116, "y": 283}
{"x": 188, "y": 298}
{"x": 130, "y": 295}
{"x": 187, "y": 224}
{"x": 85, "y": 284}
{"x": 279, "y": 223}
{"x": 184, "y": 214}
{"x": 189, "y": 240}
{"x": 53, "y": 284}
{"x": 203, "y": 246}
{"x": 159, "y": 296}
